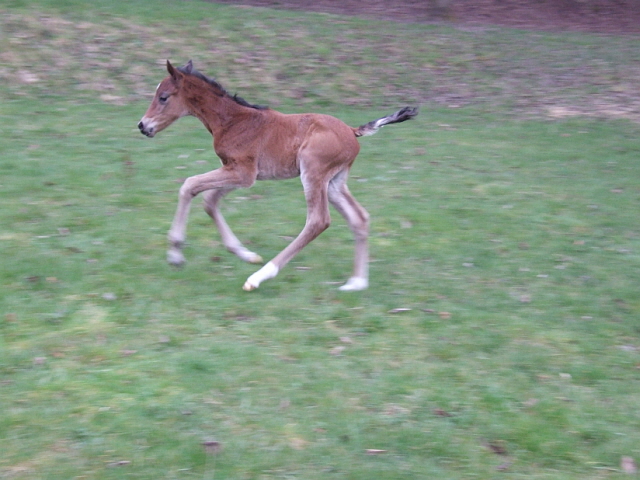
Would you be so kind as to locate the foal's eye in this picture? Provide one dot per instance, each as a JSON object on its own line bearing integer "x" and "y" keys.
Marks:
{"x": 163, "y": 98}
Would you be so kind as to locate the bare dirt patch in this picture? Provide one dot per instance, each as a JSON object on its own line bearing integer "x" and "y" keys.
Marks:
{"x": 602, "y": 16}
{"x": 272, "y": 59}
{"x": 565, "y": 86}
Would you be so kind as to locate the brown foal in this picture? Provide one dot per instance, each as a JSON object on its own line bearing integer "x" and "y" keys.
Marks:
{"x": 257, "y": 143}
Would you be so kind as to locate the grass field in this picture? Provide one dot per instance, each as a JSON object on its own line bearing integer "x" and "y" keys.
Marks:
{"x": 499, "y": 337}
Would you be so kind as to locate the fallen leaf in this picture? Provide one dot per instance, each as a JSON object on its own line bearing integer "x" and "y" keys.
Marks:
{"x": 399, "y": 310}
{"x": 444, "y": 315}
{"x": 628, "y": 465}
{"x": 498, "y": 447}
{"x": 287, "y": 359}
{"x": 374, "y": 451}
{"x": 337, "y": 350}
{"x": 441, "y": 413}
{"x": 298, "y": 443}
{"x": 393, "y": 410}
{"x": 107, "y": 98}
{"x": 212, "y": 447}
{"x": 27, "y": 77}
{"x": 627, "y": 348}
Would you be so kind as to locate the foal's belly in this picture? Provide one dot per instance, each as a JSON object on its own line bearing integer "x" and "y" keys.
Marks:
{"x": 272, "y": 168}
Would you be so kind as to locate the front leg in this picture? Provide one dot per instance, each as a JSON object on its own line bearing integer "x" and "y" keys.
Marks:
{"x": 178, "y": 231}
{"x": 221, "y": 178}
{"x": 230, "y": 241}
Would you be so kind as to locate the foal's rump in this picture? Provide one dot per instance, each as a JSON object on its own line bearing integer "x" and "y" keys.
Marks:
{"x": 331, "y": 138}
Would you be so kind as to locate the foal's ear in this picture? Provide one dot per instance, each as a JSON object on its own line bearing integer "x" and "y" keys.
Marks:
{"x": 176, "y": 73}
{"x": 172, "y": 71}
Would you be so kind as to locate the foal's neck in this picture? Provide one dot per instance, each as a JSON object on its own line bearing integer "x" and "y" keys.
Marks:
{"x": 212, "y": 106}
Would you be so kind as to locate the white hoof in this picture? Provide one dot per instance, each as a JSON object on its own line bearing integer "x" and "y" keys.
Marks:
{"x": 355, "y": 284}
{"x": 265, "y": 273}
{"x": 175, "y": 257}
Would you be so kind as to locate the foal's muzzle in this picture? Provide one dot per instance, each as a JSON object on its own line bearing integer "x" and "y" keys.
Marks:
{"x": 149, "y": 132}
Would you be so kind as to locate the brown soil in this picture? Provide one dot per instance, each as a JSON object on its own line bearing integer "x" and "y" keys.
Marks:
{"x": 601, "y": 16}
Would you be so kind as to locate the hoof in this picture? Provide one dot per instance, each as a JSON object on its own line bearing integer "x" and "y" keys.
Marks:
{"x": 247, "y": 255}
{"x": 255, "y": 259}
{"x": 175, "y": 258}
{"x": 265, "y": 273}
{"x": 355, "y": 284}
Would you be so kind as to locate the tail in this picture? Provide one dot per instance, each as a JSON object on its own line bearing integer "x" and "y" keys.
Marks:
{"x": 407, "y": 113}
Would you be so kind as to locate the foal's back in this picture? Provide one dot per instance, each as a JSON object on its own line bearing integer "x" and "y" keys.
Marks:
{"x": 283, "y": 141}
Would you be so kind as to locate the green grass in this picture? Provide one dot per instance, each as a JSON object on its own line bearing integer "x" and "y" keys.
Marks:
{"x": 511, "y": 238}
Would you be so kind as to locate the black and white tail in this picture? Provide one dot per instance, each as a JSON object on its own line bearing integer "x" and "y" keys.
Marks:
{"x": 407, "y": 113}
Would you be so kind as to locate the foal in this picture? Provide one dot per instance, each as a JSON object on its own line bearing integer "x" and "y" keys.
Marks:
{"x": 257, "y": 143}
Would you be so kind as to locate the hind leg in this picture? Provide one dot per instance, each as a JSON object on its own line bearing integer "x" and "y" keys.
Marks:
{"x": 230, "y": 241}
{"x": 358, "y": 220}
{"x": 318, "y": 221}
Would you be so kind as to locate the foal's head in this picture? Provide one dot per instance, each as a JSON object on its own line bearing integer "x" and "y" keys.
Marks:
{"x": 167, "y": 105}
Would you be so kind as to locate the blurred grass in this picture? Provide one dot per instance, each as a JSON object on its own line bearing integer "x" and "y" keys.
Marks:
{"x": 508, "y": 241}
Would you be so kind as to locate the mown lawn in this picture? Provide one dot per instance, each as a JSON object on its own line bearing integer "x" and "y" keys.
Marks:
{"x": 499, "y": 337}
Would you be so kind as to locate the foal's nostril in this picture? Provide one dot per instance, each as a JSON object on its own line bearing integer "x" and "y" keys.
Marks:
{"x": 140, "y": 125}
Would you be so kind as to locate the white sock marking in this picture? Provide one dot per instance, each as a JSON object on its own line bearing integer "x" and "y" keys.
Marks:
{"x": 355, "y": 284}
{"x": 265, "y": 273}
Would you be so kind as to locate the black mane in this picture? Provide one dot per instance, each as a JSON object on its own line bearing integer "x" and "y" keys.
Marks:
{"x": 220, "y": 91}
